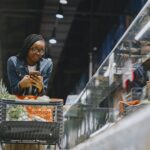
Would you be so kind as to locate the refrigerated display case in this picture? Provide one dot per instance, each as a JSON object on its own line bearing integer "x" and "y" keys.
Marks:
{"x": 117, "y": 89}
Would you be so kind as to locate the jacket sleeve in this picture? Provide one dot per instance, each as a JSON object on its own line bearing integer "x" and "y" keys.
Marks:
{"x": 46, "y": 76}
{"x": 13, "y": 76}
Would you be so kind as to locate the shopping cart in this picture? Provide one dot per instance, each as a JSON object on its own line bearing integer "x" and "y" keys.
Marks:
{"x": 39, "y": 132}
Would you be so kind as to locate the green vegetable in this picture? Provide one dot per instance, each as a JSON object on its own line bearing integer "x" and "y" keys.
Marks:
{"x": 15, "y": 112}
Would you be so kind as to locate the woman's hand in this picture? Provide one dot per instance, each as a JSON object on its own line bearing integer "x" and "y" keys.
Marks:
{"x": 37, "y": 81}
{"x": 25, "y": 82}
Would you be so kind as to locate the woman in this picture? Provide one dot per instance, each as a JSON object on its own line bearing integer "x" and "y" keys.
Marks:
{"x": 28, "y": 74}
{"x": 21, "y": 68}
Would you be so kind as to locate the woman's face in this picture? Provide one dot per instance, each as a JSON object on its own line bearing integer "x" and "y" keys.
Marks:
{"x": 36, "y": 52}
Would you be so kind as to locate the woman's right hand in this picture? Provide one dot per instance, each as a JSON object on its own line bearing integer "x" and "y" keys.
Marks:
{"x": 25, "y": 82}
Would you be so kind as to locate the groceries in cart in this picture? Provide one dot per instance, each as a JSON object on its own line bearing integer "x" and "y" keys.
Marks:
{"x": 30, "y": 112}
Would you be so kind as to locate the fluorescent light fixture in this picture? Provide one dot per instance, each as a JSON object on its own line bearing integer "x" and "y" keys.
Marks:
{"x": 53, "y": 40}
{"x": 64, "y": 2}
{"x": 59, "y": 13}
{"x": 59, "y": 16}
{"x": 142, "y": 31}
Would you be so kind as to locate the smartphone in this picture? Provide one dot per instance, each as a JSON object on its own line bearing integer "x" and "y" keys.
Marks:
{"x": 37, "y": 73}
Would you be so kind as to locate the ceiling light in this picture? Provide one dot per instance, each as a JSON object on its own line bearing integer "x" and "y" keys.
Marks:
{"x": 59, "y": 13}
{"x": 63, "y": 2}
{"x": 144, "y": 29}
{"x": 53, "y": 40}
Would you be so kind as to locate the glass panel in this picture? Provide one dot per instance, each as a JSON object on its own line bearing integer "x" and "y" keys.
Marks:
{"x": 82, "y": 121}
{"x": 118, "y": 87}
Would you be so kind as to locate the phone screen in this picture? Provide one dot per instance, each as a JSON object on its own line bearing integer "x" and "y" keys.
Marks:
{"x": 35, "y": 73}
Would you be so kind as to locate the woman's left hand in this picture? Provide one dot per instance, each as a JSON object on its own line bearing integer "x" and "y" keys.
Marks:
{"x": 37, "y": 81}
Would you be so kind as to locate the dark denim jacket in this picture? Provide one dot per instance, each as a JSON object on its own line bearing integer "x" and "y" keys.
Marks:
{"x": 17, "y": 69}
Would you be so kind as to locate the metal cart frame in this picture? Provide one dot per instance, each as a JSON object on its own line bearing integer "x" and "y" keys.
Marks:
{"x": 46, "y": 133}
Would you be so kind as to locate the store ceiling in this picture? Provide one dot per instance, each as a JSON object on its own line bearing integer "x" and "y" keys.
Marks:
{"x": 85, "y": 24}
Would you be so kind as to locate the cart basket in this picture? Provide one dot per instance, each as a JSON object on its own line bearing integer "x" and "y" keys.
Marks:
{"x": 42, "y": 132}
